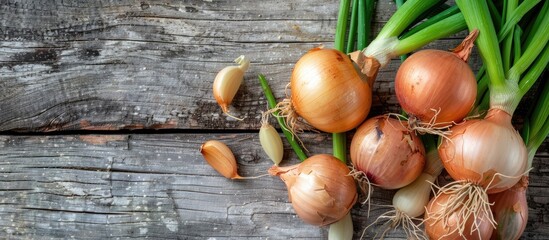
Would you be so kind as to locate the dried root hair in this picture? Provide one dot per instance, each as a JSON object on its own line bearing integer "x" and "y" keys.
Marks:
{"x": 432, "y": 127}
{"x": 467, "y": 200}
{"x": 394, "y": 219}
{"x": 365, "y": 187}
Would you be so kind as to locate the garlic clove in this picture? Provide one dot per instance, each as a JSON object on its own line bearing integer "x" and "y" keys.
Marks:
{"x": 271, "y": 143}
{"x": 221, "y": 158}
{"x": 228, "y": 81}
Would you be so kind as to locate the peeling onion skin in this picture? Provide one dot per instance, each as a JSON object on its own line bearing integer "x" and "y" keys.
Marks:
{"x": 328, "y": 92}
{"x": 510, "y": 211}
{"x": 320, "y": 188}
{"x": 477, "y": 150}
{"x": 437, "y": 229}
{"x": 389, "y": 155}
{"x": 434, "y": 79}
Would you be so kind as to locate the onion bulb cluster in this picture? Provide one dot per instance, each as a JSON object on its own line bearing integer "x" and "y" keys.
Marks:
{"x": 488, "y": 152}
{"x": 387, "y": 153}
{"x": 437, "y": 86}
{"x": 320, "y": 188}
{"x": 328, "y": 92}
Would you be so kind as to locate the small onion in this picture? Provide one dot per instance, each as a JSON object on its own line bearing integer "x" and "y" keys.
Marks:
{"x": 387, "y": 153}
{"x": 437, "y": 83}
{"x": 328, "y": 92}
{"x": 487, "y": 152}
{"x": 510, "y": 211}
{"x": 320, "y": 188}
{"x": 447, "y": 229}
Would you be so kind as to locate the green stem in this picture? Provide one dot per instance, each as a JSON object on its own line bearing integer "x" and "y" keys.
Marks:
{"x": 514, "y": 14}
{"x": 507, "y": 42}
{"x": 517, "y": 36}
{"x": 532, "y": 51}
{"x": 338, "y": 140}
{"x": 496, "y": 16}
{"x": 477, "y": 16}
{"x": 482, "y": 87}
{"x": 443, "y": 28}
{"x": 540, "y": 114}
{"x": 404, "y": 16}
{"x": 534, "y": 72}
{"x": 535, "y": 25}
{"x": 351, "y": 40}
{"x": 272, "y": 104}
{"x": 538, "y": 124}
{"x": 363, "y": 28}
{"x": 339, "y": 42}
{"x": 439, "y": 17}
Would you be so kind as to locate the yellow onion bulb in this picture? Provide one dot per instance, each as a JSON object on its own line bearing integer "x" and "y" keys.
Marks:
{"x": 510, "y": 211}
{"x": 387, "y": 153}
{"x": 320, "y": 188}
{"x": 447, "y": 229}
{"x": 488, "y": 152}
{"x": 437, "y": 82}
{"x": 328, "y": 92}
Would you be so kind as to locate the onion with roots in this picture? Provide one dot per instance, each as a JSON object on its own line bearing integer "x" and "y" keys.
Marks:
{"x": 320, "y": 188}
{"x": 484, "y": 157}
{"x": 328, "y": 92}
{"x": 386, "y": 153}
{"x": 455, "y": 226}
{"x": 437, "y": 88}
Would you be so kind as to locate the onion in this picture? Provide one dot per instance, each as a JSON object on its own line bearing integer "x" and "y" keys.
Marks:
{"x": 473, "y": 227}
{"x": 483, "y": 156}
{"x": 437, "y": 86}
{"x": 487, "y": 152}
{"x": 328, "y": 92}
{"x": 320, "y": 188}
{"x": 510, "y": 211}
{"x": 387, "y": 153}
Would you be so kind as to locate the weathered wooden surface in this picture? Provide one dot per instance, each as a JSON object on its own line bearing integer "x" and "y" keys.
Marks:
{"x": 128, "y": 64}
{"x": 109, "y": 65}
{"x": 159, "y": 186}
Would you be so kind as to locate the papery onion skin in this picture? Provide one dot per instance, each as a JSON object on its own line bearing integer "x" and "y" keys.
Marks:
{"x": 320, "y": 188}
{"x": 510, "y": 211}
{"x": 441, "y": 231}
{"x": 390, "y": 155}
{"x": 436, "y": 80}
{"x": 328, "y": 92}
{"x": 488, "y": 152}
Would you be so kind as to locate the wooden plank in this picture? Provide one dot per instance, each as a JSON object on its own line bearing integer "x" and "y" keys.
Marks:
{"x": 107, "y": 65}
{"x": 159, "y": 187}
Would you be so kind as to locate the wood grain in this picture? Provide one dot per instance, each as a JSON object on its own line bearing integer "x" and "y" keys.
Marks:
{"x": 158, "y": 186}
{"x": 108, "y": 65}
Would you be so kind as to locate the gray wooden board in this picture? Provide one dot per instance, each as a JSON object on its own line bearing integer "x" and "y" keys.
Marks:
{"x": 160, "y": 187}
{"x": 128, "y": 64}
{"x": 108, "y": 65}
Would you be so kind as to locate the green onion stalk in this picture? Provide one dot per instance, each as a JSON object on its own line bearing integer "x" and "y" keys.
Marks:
{"x": 472, "y": 153}
{"x": 506, "y": 87}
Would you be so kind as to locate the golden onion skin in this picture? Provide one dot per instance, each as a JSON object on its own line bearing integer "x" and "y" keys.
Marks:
{"x": 390, "y": 155}
{"x": 328, "y": 92}
{"x": 510, "y": 211}
{"x": 439, "y": 229}
{"x": 488, "y": 152}
{"x": 434, "y": 79}
{"x": 320, "y": 189}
